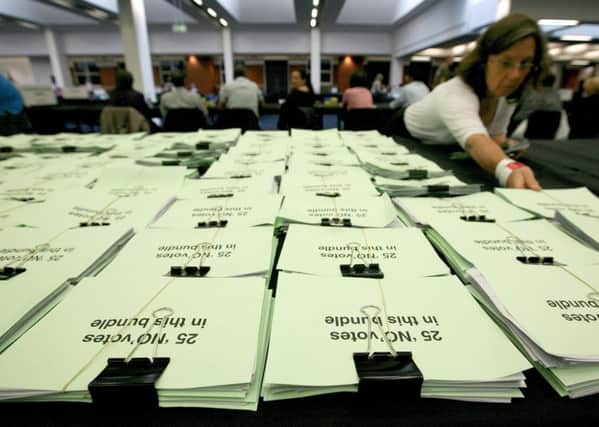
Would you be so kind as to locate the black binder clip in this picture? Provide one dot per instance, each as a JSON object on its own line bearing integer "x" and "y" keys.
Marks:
{"x": 324, "y": 164}
{"x": 388, "y": 153}
{"x": 203, "y": 146}
{"x": 240, "y": 176}
{"x": 389, "y": 373}
{"x": 184, "y": 153}
{"x": 6, "y": 149}
{"x": 337, "y": 222}
{"x": 216, "y": 196}
{"x": 93, "y": 224}
{"x": 476, "y": 218}
{"x": 10, "y": 272}
{"x": 437, "y": 189}
{"x": 328, "y": 194}
{"x": 189, "y": 271}
{"x": 171, "y": 162}
{"x": 536, "y": 260}
{"x": 321, "y": 154}
{"x": 131, "y": 381}
{"x": 365, "y": 271}
{"x": 212, "y": 224}
{"x": 69, "y": 148}
{"x": 400, "y": 163}
{"x": 417, "y": 174}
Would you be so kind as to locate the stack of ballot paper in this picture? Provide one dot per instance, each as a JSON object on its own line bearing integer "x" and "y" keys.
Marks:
{"x": 328, "y": 183}
{"x": 541, "y": 287}
{"x": 354, "y": 210}
{"x": 70, "y": 143}
{"x": 224, "y": 252}
{"x": 401, "y": 166}
{"x": 318, "y": 323}
{"x": 447, "y": 185}
{"x": 47, "y": 261}
{"x": 483, "y": 206}
{"x": 544, "y": 203}
{"x": 217, "y": 188}
{"x": 243, "y": 168}
{"x": 234, "y": 211}
{"x": 121, "y": 181}
{"x": 76, "y": 208}
{"x": 322, "y": 250}
{"x": 584, "y": 227}
{"x": 214, "y": 332}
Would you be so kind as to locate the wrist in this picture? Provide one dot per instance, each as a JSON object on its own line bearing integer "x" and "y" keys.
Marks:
{"x": 504, "y": 169}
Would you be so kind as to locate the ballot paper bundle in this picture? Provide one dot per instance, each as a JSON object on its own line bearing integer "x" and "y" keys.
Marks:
{"x": 478, "y": 207}
{"x": 205, "y": 340}
{"x": 584, "y": 227}
{"x": 359, "y": 252}
{"x": 219, "y": 137}
{"x": 447, "y": 185}
{"x": 315, "y": 333}
{"x": 219, "y": 188}
{"x": 259, "y": 151}
{"x": 327, "y": 182}
{"x": 330, "y": 157}
{"x": 201, "y": 252}
{"x": 70, "y": 143}
{"x": 38, "y": 266}
{"x": 137, "y": 180}
{"x": 244, "y": 168}
{"x": 545, "y": 203}
{"x": 541, "y": 287}
{"x": 348, "y": 211}
{"x": 402, "y": 166}
{"x": 233, "y": 211}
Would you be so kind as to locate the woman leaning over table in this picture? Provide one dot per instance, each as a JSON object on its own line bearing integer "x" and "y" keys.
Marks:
{"x": 474, "y": 108}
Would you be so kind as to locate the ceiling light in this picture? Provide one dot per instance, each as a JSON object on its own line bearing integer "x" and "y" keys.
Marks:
{"x": 420, "y": 58}
{"x": 458, "y": 50}
{"x": 558, "y": 22}
{"x": 457, "y": 59}
{"x": 576, "y": 38}
{"x": 555, "y": 51}
{"x": 199, "y": 3}
{"x": 577, "y": 48}
{"x": 314, "y": 13}
{"x": 313, "y": 23}
{"x": 211, "y": 12}
{"x": 29, "y": 25}
{"x": 223, "y": 22}
{"x": 97, "y": 13}
{"x": 63, "y": 3}
{"x": 315, "y": 3}
{"x": 593, "y": 54}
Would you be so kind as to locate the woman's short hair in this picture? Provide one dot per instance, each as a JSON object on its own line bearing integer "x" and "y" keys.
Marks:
{"x": 591, "y": 85}
{"x": 305, "y": 76}
{"x": 123, "y": 80}
{"x": 498, "y": 38}
{"x": 358, "y": 79}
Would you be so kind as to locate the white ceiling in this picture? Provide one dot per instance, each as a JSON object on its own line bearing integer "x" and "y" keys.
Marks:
{"x": 41, "y": 13}
{"x": 162, "y": 12}
{"x": 261, "y": 11}
{"x": 386, "y": 12}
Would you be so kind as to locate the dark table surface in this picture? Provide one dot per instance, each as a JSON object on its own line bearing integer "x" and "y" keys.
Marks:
{"x": 540, "y": 407}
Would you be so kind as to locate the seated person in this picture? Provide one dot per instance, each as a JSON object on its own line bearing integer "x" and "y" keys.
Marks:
{"x": 358, "y": 95}
{"x": 241, "y": 92}
{"x": 584, "y": 110}
{"x": 12, "y": 112}
{"x": 474, "y": 108}
{"x": 378, "y": 89}
{"x": 301, "y": 95}
{"x": 180, "y": 97}
{"x": 124, "y": 95}
{"x": 412, "y": 91}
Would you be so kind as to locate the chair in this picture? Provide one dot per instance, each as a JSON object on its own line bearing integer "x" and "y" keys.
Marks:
{"x": 237, "y": 118}
{"x": 45, "y": 120}
{"x": 122, "y": 120}
{"x": 184, "y": 120}
{"x": 543, "y": 124}
{"x": 367, "y": 119}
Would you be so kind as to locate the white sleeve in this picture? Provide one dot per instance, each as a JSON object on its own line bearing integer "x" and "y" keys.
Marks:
{"x": 458, "y": 110}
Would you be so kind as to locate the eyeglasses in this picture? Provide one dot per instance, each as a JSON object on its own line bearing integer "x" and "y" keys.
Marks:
{"x": 508, "y": 64}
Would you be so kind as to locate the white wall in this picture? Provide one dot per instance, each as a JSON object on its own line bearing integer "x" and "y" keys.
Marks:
{"x": 279, "y": 42}
{"x": 206, "y": 42}
{"x": 23, "y": 44}
{"x": 40, "y": 66}
{"x": 442, "y": 21}
{"x": 355, "y": 43}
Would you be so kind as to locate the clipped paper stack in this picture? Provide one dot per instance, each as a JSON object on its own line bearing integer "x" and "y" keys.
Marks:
{"x": 53, "y": 260}
{"x": 215, "y": 337}
{"x": 315, "y": 332}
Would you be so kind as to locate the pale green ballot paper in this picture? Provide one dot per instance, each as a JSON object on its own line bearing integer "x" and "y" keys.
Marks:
{"x": 322, "y": 250}
{"x": 211, "y": 329}
{"x": 318, "y": 324}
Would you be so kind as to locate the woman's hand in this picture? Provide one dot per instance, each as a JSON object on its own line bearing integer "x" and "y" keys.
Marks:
{"x": 523, "y": 177}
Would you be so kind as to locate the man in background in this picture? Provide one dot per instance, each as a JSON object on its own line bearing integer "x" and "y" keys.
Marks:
{"x": 241, "y": 92}
{"x": 180, "y": 97}
{"x": 412, "y": 91}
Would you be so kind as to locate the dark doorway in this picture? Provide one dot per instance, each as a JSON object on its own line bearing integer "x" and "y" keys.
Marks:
{"x": 276, "y": 79}
{"x": 375, "y": 67}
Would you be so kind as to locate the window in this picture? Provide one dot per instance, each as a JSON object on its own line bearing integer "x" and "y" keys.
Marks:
{"x": 85, "y": 71}
{"x": 166, "y": 68}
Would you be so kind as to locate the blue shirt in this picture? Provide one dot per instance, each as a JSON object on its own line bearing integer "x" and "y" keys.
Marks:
{"x": 10, "y": 98}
